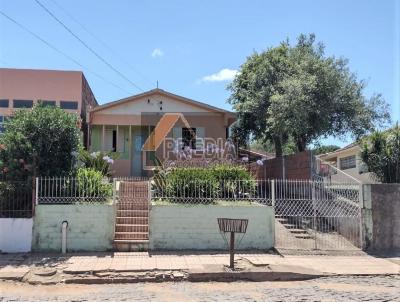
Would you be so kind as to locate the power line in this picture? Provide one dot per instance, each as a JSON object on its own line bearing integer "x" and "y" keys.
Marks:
{"x": 109, "y": 48}
{"x": 59, "y": 51}
{"x": 87, "y": 46}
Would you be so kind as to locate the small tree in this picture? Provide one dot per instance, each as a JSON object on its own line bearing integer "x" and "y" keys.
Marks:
{"x": 39, "y": 142}
{"x": 381, "y": 152}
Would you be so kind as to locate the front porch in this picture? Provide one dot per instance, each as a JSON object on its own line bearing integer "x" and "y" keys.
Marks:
{"x": 127, "y": 142}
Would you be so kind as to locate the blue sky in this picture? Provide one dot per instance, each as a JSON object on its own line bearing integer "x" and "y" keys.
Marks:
{"x": 186, "y": 44}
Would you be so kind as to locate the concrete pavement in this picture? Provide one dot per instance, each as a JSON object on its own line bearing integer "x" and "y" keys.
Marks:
{"x": 172, "y": 265}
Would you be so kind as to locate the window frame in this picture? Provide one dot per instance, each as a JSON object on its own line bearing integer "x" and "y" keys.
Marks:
{"x": 348, "y": 162}
{"x": 69, "y": 102}
{"x": 23, "y": 106}
{"x": 3, "y": 101}
{"x": 189, "y": 141}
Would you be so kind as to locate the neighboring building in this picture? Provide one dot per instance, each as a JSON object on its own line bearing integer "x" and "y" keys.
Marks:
{"x": 125, "y": 125}
{"x": 348, "y": 159}
{"x": 22, "y": 88}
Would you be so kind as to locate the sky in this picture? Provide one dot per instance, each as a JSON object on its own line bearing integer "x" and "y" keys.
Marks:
{"x": 194, "y": 48}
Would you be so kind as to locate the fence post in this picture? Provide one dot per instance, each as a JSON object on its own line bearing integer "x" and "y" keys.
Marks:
{"x": 273, "y": 192}
{"x": 114, "y": 191}
{"x": 361, "y": 206}
{"x": 314, "y": 212}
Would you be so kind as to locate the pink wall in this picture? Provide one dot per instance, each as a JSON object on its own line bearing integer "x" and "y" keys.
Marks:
{"x": 29, "y": 84}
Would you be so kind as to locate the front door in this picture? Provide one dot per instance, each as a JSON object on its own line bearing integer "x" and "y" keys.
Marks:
{"x": 137, "y": 144}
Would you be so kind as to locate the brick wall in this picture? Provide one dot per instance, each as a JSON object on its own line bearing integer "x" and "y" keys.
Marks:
{"x": 195, "y": 227}
{"x": 90, "y": 227}
{"x": 295, "y": 166}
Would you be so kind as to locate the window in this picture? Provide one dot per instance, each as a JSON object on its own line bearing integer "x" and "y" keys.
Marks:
{"x": 189, "y": 137}
{"x": 348, "y": 162}
{"x": 4, "y": 103}
{"x": 23, "y": 103}
{"x": 69, "y": 105}
{"x": 48, "y": 103}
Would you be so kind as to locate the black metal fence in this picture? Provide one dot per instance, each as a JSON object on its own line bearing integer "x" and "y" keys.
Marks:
{"x": 16, "y": 199}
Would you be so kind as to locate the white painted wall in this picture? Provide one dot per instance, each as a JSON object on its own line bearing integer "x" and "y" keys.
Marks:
{"x": 15, "y": 235}
{"x": 142, "y": 105}
{"x": 195, "y": 227}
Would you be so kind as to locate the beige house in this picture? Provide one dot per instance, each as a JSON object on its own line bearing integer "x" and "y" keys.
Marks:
{"x": 162, "y": 121}
{"x": 348, "y": 159}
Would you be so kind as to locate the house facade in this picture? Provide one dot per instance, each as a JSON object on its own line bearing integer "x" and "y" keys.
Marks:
{"x": 22, "y": 88}
{"x": 153, "y": 124}
{"x": 348, "y": 159}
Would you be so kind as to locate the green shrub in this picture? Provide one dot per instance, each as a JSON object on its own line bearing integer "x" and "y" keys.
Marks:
{"x": 207, "y": 184}
{"x": 234, "y": 181}
{"x": 184, "y": 183}
{"x": 91, "y": 183}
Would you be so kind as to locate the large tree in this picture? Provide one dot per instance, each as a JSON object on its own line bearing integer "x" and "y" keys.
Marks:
{"x": 39, "y": 142}
{"x": 297, "y": 92}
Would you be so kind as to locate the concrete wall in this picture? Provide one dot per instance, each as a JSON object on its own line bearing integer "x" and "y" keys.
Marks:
{"x": 90, "y": 227}
{"x": 195, "y": 227}
{"x": 381, "y": 217}
{"x": 15, "y": 235}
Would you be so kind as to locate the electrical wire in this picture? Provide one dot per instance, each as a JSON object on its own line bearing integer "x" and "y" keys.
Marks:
{"x": 87, "y": 46}
{"x": 59, "y": 51}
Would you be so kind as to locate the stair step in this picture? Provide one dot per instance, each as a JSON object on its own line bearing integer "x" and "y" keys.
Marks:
{"x": 298, "y": 231}
{"x": 132, "y": 213}
{"x": 132, "y": 220}
{"x": 131, "y": 229}
{"x": 125, "y": 236}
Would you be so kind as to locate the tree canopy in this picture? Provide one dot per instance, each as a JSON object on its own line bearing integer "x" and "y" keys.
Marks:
{"x": 39, "y": 142}
{"x": 297, "y": 92}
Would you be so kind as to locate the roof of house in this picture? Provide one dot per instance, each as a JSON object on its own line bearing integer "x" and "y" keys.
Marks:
{"x": 338, "y": 151}
{"x": 161, "y": 92}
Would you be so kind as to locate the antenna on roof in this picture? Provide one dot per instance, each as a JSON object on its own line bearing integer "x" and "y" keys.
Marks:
{"x": 157, "y": 84}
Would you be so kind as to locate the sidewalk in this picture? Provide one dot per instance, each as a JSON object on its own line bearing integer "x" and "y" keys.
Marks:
{"x": 180, "y": 264}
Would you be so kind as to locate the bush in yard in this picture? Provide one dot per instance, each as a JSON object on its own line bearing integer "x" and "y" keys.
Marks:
{"x": 99, "y": 161}
{"x": 235, "y": 181}
{"x": 39, "y": 142}
{"x": 91, "y": 183}
{"x": 192, "y": 182}
{"x": 381, "y": 153}
{"x": 221, "y": 181}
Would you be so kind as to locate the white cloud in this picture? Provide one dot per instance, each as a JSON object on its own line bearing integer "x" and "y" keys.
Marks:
{"x": 157, "y": 53}
{"x": 225, "y": 74}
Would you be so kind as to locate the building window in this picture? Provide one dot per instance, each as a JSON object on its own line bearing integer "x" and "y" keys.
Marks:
{"x": 4, "y": 103}
{"x": 48, "y": 103}
{"x": 189, "y": 137}
{"x": 69, "y": 105}
{"x": 348, "y": 162}
{"x": 23, "y": 103}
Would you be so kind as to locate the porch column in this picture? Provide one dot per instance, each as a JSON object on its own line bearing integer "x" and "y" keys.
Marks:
{"x": 130, "y": 149}
{"x": 103, "y": 138}
{"x": 116, "y": 141}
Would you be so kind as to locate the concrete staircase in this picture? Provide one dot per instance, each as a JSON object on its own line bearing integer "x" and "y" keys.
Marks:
{"x": 132, "y": 217}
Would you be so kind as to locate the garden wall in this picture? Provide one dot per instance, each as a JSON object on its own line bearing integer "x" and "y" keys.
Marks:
{"x": 15, "y": 235}
{"x": 90, "y": 227}
{"x": 381, "y": 217}
{"x": 195, "y": 227}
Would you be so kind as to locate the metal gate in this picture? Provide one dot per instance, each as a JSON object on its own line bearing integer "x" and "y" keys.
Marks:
{"x": 317, "y": 215}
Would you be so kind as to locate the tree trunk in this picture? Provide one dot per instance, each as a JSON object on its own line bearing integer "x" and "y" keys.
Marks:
{"x": 301, "y": 144}
{"x": 278, "y": 146}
